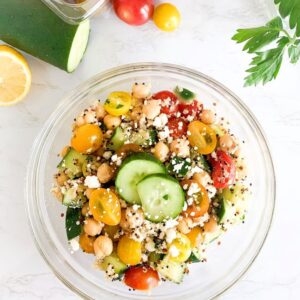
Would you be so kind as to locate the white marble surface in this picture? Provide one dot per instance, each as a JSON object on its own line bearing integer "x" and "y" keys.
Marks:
{"x": 203, "y": 43}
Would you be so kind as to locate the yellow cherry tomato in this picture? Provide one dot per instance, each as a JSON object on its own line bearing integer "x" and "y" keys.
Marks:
{"x": 118, "y": 103}
{"x": 202, "y": 137}
{"x": 195, "y": 236}
{"x": 87, "y": 138}
{"x": 180, "y": 249}
{"x": 105, "y": 206}
{"x": 166, "y": 17}
{"x": 129, "y": 251}
{"x": 86, "y": 243}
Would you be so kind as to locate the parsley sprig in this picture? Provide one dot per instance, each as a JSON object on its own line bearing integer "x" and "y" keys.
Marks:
{"x": 269, "y": 43}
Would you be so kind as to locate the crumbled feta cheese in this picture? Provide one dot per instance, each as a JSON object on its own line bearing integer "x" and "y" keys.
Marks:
{"x": 150, "y": 245}
{"x": 92, "y": 182}
{"x": 173, "y": 251}
{"x": 170, "y": 235}
{"x": 193, "y": 189}
{"x": 171, "y": 223}
{"x": 160, "y": 121}
{"x": 74, "y": 244}
{"x": 107, "y": 154}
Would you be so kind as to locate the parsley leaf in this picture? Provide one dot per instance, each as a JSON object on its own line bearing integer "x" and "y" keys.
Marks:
{"x": 294, "y": 52}
{"x": 259, "y": 37}
{"x": 291, "y": 9}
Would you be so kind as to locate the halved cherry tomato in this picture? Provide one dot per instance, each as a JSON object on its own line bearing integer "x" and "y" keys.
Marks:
{"x": 195, "y": 236}
{"x": 190, "y": 109}
{"x": 180, "y": 248}
{"x": 87, "y": 138}
{"x": 223, "y": 173}
{"x": 86, "y": 243}
{"x": 136, "y": 12}
{"x": 177, "y": 127}
{"x": 105, "y": 206}
{"x": 129, "y": 251}
{"x": 141, "y": 278}
{"x": 200, "y": 205}
{"x": 118, "y": 103}
{"x": 169, "y": 102}
{"x": 202, "y": 137}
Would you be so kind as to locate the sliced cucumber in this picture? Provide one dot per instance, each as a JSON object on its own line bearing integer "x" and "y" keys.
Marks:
{"x": 171, "y": 270}
{"x": 144, "y": 137}
{"x": 196, "y": 256}
{"x": 184, "y": 94}
{"x": 73, "y": 199}
{"x": 225, "y": 211}
{"x": 73, "y": 222}
{"x": 117, "y": 139}
{"x": 161, "y": 196}
{"x": 236, "y": 193}
{"x": 133, "y": 169}
{"x": 113, "y": 259}
{"x": 179, "y": 166}
{"x": 72, "y": 163}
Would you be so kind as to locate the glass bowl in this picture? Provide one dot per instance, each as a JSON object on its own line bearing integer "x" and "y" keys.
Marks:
{"x": 226, "y": 262}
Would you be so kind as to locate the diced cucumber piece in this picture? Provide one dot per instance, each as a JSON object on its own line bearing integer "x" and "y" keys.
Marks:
{"x": 171, "y": 270}
{"x": 90, "y": 165}
{"x": 113, "y": 259}
{"x": 155, "y": 257}
{"x": 179, "y": 166}
{"x": 204, "y": 163}
{"x": 184, "y": 94}
{"x": 219, "y": 131}
{"x": 117, "y": 140}
{"x": 144, "y": 137}
{"x": 73, "y": 199}
{"x": 161, "y": 196}
{"x": 72, "y": 163}
{"x": 209, "y": 237}
{"x": 196, "y": 256}
{"x": 133, "y": 169}
{"x": 73, "y": 222}
{"x": 236, "y": 193}
{"x": 225, "y": 211}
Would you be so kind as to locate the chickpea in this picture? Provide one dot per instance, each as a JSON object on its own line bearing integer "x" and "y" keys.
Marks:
{"x": 136, "y": 113}
{"x": 151, "y": 109}
{"x": 111, "y": 122}
{"x": 79, "y": 121}
{"x": 100, "y": 111}
{"x": 64, "y": 151}
{"x": 90, "y": 117}
{"x": 103, "y": 246}
{"x": 161, "y": 151}
{"x": 134, "y": 218}
{"x": 61, "y": 178}
{"x": 180, "y": 147}
{"x": 202, "y": 178}
{"x": 185, "y": 225}
{"x": 207, "y": 116}
{"x": 92, "y": 227}
{"x": 57, "y": 194}
{"x": 85, "y": 210}
{"x": 88, "y": 192}
{"x": 123, "y": 222}
{"x": 226, "y": 142}
{"x": 105, "y": 173}
{"x": 141, "y": 91}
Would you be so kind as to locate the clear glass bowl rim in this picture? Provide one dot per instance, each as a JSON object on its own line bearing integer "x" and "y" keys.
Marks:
{"x": 30, "y": 194}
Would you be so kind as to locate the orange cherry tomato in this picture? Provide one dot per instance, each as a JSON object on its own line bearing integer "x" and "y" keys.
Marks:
{"x": 129, "y": 251}
{"x": 195, "y": 236}
{"x": 141, "y": 278}
{"x": 105, "y": 206}
{"x": 202, "y": 137}
{"x": 87, "y": 138}
{"x": 86, "y": 243}
{"x": 200, "y": 204}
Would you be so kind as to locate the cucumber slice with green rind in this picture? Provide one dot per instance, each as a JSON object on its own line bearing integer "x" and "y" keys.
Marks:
{"x": 162, "y": 197}
{"x": 113, "y": 259}
{"x": 184, "y": 94}
{"x": 133, "y": 169}
{"x": 117, "y": 140}
{"x": 73, "y": 222}
{"x": 171, "y": 270}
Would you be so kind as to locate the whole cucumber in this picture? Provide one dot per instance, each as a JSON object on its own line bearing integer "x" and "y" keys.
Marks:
{"x": 31, "y": 26}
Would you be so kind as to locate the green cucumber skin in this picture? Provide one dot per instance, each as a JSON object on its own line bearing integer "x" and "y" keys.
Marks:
{"x": 31, "y": 26}
{"x": 73, "y": 228}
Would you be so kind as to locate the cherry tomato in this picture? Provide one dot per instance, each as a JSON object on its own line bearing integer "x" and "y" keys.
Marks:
{"x": 141, "y": 278}
{"x": 166, "y": 17}
{"x": 195, "y": 236}
{"x": 180, "y": 249}
{"x": 105, "y": 206}
{"x": 200, "y": 205}
{"x": 190, "y": 109}
{"x": 134, "y": 12}
{"x": 129, "y": 251}
{"x": 177, "y": 127}
{"x": 86, "y": 243}
{"x": 202, "y": 137}
{"x": 169, "y": 102}
{"x": 118, "y": 103}
{"x": 223, "y": 173}
{"x": 211, "y": 225}
{"x": 87, "y": 138}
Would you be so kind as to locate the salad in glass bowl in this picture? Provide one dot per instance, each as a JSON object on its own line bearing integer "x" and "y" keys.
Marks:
{"x": 150, "y": 180}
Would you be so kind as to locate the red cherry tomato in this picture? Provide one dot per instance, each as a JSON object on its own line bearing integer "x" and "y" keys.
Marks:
{"x": 192, "y": 109}
{"x": 177, "y": 127}
{"x": 169, "y": 102}
{"x": 141, "y": 277}
{"x": 223, "y": 172}
{"x": 134, "y": 12}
